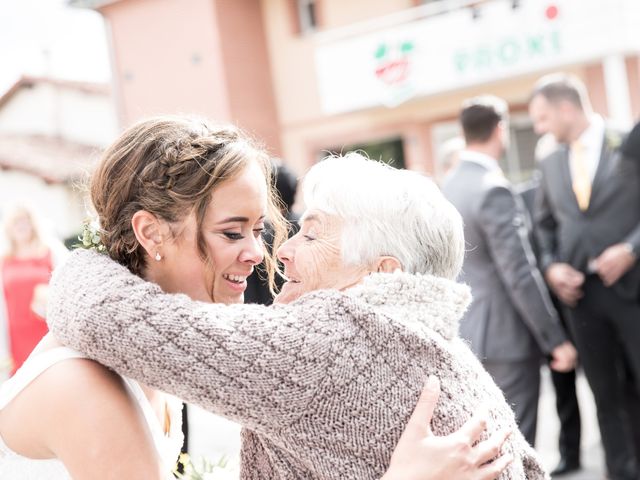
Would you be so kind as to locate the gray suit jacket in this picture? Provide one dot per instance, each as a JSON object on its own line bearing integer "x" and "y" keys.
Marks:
{"x": 567, "y": 234}
{"x": 511, "y": 317}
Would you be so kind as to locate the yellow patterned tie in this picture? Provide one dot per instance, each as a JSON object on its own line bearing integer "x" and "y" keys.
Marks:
{"x": 581, "y": 180}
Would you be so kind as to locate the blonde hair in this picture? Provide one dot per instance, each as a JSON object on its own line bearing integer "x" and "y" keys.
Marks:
{"x": 169, "y": 167}
{"x": 11, "y": 214}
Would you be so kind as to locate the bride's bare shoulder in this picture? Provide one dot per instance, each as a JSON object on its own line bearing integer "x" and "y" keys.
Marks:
{"x": 81, "y": 413}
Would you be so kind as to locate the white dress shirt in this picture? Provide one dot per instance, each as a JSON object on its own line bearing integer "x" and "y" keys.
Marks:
{"x": 486, "y": 161}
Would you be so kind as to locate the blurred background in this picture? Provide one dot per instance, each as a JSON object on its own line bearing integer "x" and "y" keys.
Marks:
{"x": 306, "y": 77}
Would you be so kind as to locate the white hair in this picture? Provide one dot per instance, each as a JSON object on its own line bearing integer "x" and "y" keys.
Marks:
{"x": 387, "y": 212}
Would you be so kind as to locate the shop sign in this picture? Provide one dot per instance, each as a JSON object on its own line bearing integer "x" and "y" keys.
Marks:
{"x": 453, "y": 50}
{"x": 393, "y": 68}
{"x": 509, "y": 51}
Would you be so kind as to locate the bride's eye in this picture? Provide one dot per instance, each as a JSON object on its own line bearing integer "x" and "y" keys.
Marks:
{"x": 233, "y": 235}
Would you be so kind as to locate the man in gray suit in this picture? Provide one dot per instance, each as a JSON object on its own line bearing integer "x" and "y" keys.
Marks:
{"x": 511, "y": 321}
{"x": 588, "y": 225}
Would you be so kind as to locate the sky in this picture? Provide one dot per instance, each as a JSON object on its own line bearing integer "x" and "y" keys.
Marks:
{"x": 47, "y": 37}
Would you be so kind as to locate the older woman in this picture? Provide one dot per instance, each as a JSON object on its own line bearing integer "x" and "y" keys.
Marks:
{"x": 325, "y": 381}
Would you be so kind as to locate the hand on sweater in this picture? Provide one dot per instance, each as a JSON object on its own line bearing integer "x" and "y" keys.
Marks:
{"x": 420, "y": 455}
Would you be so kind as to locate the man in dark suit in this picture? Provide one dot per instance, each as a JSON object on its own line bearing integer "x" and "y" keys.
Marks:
{"x": 631, "y": 149}
{"x": 564, "y": 383}
{"x": 511, "y": 321}
{"x": 588, "y": 224}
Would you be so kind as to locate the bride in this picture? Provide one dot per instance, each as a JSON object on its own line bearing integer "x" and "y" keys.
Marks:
{"x": 64, "y": 416}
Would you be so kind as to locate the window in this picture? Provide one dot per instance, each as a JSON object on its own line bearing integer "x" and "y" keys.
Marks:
{"x": 307, "y": 15}
{"x": 518, "y": 163}
{"x": 387, "y": 151}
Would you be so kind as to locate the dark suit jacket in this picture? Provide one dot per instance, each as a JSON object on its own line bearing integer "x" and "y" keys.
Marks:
{"x": 567, "y": 234}
{"x": 631, "y": 146}
{"x": 511, "y": 317}
{"x": 527, "y": 192}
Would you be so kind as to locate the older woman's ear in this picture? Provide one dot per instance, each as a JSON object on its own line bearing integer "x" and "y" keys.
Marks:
{"x": 387, "y": 265}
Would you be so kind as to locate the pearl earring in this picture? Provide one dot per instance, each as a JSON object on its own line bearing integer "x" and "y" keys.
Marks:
{"x": 158, "y": 257}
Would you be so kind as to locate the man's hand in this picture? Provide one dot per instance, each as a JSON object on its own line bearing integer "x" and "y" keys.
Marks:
{"x": 565, "y": 281}
{"x": 421, "y": 455}
{"x": 614, "y": 262}
{"x": 564, "y": 357}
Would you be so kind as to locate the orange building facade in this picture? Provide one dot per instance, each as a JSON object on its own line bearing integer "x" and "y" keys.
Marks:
{"x": 387, "y": 76}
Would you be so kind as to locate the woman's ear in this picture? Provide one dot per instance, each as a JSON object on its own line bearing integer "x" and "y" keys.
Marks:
{"x": 148, "y": 231}
{"x": 388, "y": 265}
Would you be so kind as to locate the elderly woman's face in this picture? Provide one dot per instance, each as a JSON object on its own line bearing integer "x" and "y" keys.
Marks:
{"x": 312, "y": 258}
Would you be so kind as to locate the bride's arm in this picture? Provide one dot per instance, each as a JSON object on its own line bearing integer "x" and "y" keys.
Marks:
{"x": 80, "y": 413}
{"x": 229, "y": 357}
{"x": 257, "y": 365}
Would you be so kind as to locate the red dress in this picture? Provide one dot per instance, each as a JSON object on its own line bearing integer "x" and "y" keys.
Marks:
{"x": 19, "y": 278}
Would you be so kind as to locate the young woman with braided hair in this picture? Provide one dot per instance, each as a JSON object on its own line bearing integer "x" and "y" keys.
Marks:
{"x": 182, "y": 204}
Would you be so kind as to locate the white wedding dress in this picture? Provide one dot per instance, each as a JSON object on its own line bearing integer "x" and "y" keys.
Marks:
{"x": 17, "y": 467}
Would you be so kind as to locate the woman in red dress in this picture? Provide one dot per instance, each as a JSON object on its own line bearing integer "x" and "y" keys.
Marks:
{"x": 25, "y": 271}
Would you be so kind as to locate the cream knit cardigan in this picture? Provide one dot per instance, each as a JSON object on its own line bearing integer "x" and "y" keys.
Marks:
{"x": 323, "y": 386}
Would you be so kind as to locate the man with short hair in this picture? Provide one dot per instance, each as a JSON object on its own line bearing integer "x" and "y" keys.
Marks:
{"x": 588, "y": 224}
{"x": 511, "y": 321}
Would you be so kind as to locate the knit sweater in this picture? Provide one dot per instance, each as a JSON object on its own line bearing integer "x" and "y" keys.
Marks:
{"x": 323, "y": 386}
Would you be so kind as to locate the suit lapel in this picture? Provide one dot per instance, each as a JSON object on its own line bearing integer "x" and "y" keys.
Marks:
{"x": 565, "y": 174}
{"x": 604, "y": 169}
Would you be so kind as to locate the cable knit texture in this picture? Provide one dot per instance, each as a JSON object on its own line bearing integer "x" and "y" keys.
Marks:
{"x": 323, "y": 386}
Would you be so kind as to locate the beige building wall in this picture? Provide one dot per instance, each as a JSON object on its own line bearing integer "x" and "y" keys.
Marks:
{"x": 306, "y": 131}
{"x": 247, "y": 69}
{"x": 292, "y": 64}
{"x": 246, "y": 62}
{"x": 204, "y": 57}
{"x": 162, "y": 65}
{"x": 412, "y": 122}
{"x": 339, "y": 13}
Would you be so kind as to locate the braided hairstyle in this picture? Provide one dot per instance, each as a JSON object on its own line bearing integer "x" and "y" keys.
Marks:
{"x": 169, "y": 167}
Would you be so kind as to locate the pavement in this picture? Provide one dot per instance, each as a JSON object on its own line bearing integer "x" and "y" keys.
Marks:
{"x": 548, "y": 428}
{"x": 212, "y": 436}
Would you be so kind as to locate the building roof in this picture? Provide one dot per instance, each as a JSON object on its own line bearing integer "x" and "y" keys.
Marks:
{"x": 93, "y": 4}
{"x": 27, "y": 81}
{"x": 55, "y": 160}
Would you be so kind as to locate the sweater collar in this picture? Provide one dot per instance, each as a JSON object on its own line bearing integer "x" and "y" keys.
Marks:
{"x": 434, "y": 302}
